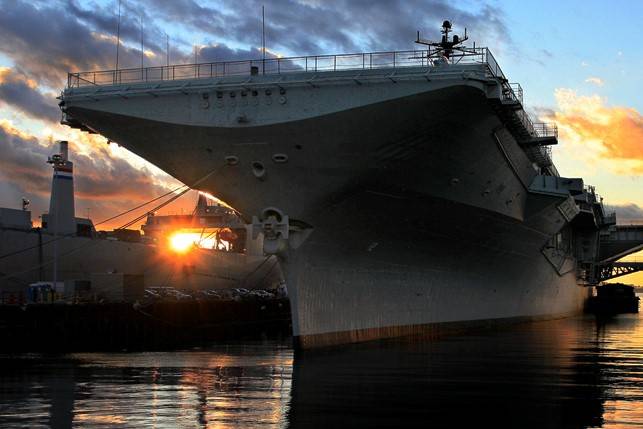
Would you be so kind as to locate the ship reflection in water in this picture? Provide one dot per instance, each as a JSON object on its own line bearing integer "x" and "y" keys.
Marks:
{"x": 565, "y": 373}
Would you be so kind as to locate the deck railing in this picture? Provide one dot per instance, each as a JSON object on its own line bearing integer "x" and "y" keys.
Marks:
{"x": 512, "y": 92}
{"x": 314, "y": 63}
{"x": 545, "y": 129}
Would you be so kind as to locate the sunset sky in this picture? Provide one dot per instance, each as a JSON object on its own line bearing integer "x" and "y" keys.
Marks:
{"x": 579, "y": 63}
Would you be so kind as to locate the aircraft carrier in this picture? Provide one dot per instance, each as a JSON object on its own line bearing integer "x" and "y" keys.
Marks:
{"x": 403, "y": 192}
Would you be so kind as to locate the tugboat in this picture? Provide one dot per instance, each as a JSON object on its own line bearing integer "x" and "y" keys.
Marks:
{"x": 614, "y": 298}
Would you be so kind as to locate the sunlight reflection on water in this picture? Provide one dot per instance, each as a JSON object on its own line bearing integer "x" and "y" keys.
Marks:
{"x": 563, "y": 373}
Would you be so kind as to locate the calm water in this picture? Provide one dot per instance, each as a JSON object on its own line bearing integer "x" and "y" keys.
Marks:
{"x": 566, "y": 373}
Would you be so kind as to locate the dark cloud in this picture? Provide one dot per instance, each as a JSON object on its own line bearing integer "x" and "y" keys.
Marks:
{"x": 48, "y": 39}
{"x": 22, "y": 93}
{"x": 11, "y": 195}
{"x": 221, "y": 52}
{"x": 191, "y": 14}
{"x": 106, "y": 184}
{"x": 627, "y": 213}
{"x": 23, "y": 160}
{"x": 105, "y": 20}
{"x": 314, "y": 27}
{"x": 46, "y": 42}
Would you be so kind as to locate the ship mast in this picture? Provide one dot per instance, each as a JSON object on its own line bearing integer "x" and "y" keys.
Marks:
{"x": 446, "y": 46}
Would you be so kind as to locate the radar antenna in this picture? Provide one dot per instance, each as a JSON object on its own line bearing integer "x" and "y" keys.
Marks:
{"x": 446, "y": 46}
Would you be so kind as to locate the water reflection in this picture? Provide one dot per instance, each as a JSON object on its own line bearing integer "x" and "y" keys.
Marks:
{"x": 239, "y": 385}
{"x": 570, "y": 373}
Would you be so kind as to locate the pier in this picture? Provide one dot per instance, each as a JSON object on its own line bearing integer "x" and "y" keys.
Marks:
{"x": 153, "y": 324}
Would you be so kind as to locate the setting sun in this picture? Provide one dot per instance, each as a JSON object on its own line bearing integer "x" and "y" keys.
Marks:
{"x": 182, "y": 242}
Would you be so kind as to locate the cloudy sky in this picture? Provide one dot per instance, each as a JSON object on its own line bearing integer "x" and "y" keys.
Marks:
{"x": 579, "y": 63}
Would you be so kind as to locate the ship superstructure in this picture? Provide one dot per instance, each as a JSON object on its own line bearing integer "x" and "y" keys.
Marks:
{"x": 401, "y": 190}
{"x": 212, "y": 226}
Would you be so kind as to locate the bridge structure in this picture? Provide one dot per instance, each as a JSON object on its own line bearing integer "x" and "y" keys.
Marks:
{"x": 617, "y": 243}
{"x": 618, "y": 269}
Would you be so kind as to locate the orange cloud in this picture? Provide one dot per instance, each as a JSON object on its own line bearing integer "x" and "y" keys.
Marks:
{"x": 612, "y": 132}
{"x": 23, "y": 94}
{"x": 8, "y": 128}
{"x": 9, "y": 75}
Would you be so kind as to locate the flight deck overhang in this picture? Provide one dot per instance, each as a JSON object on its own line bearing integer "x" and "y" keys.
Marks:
{"x": 447, "y": 75}
{"x": 556, "y": 186}
{"x": 282, "y": 68}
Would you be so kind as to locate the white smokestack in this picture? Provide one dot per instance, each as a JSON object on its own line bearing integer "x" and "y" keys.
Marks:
{"x": 64, "y": 150}
{"x": 62, "y": 215}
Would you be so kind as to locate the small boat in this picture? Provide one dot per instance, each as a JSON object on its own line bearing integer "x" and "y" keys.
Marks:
{"x": 613, "y": 298}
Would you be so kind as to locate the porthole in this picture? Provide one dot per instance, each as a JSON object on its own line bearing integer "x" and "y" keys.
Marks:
{"x": 280, "y": 158}
{"x": 232, "y": 160}
{"x": 258, "y": 169}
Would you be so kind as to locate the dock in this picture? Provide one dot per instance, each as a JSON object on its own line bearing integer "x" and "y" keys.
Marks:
{"x": 151, "y": 325}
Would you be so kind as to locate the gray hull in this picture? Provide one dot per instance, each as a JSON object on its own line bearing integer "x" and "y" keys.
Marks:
{"x": 417, "y": 194}
{"x": 79, "y": 257}
{"x": 378, "y": 270}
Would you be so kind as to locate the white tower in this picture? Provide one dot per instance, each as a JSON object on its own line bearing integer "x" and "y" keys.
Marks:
{"x": 62, "y": 215}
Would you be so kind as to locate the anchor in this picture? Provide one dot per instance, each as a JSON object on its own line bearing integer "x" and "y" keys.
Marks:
{"x": 279, "y": 234}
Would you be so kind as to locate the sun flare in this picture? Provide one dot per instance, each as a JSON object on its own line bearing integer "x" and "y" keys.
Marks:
{"x": 182, "y": 242}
